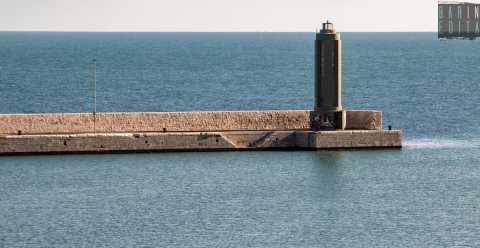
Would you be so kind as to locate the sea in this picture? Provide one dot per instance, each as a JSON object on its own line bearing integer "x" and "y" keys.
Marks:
{"x": 426, "y": 194}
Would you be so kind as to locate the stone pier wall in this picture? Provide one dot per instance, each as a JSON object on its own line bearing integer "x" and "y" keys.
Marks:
{"x": 153, "y": 122}
{"x": 75, "y": 123}
{"x": 195, "y": 141}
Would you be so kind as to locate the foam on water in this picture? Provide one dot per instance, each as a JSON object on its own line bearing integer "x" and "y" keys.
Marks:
{"x": 440, "y": 144}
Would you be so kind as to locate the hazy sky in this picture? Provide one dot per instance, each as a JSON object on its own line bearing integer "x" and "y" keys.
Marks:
{"x": 217, "y": 15}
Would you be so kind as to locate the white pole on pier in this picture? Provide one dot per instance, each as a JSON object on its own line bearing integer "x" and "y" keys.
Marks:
{"x": 94, "y": 93}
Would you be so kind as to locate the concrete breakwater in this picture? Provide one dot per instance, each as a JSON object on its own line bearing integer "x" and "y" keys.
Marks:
{"x": 195, "y": 141}
{"x": 187, "y": 131}
{"x": 74, "y": 123}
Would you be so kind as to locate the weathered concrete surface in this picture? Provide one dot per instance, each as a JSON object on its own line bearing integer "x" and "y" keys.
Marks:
{"x": 175, "y": 122}
{"x": 196, "y": 141}
{"x": 93, "y": 143}
{"x": 355, "y": 139}
{"x": 262, "y": 139}
{"x": 363, "y": 120}
{"x": 154, "y": 122}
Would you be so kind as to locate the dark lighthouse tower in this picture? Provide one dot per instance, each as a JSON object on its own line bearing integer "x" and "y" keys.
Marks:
{"x": 329, "y": 114}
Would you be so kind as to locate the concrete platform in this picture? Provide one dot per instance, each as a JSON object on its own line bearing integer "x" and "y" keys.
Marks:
{"x": 187, "y": 131}
{"x": 197, "y": 141}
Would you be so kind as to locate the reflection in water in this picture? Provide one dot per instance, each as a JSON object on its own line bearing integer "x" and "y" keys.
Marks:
{"x": 326, "y": 185}
{"x": 325, "y": 169}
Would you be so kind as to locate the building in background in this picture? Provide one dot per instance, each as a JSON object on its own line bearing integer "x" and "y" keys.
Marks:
{"x": 458, "y": 20}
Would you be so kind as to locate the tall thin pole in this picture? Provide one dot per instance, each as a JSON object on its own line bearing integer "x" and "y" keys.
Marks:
{"x": 94, "y": 95}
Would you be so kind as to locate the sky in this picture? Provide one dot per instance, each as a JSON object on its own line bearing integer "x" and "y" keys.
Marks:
{"x": 217, "y": 15}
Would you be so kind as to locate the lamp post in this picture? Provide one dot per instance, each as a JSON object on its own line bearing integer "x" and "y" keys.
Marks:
{"x": 94, "y": 95}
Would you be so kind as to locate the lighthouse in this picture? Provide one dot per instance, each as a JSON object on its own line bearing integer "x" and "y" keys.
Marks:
{"x": 328, "y": 111}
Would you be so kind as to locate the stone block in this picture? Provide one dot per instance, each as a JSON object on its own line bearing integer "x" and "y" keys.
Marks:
{"x": 363, "y": 120}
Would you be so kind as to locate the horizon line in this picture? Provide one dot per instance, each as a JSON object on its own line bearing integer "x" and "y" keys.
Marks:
{"x": 192, "y": 31}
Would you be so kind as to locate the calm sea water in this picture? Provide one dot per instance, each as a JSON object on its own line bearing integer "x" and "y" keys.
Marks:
{"x": 425, "y": 195}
